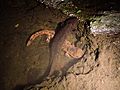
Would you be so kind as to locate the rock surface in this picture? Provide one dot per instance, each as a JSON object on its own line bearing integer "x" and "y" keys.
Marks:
{"x": 109, "y": 24}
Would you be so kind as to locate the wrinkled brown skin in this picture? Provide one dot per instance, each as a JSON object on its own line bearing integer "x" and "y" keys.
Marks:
{"x": 57, "y": 42}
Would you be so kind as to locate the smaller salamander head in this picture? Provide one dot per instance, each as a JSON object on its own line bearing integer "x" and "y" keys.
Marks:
{"x": 72, "y": 21}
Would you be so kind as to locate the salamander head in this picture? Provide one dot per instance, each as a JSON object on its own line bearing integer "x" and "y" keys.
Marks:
{"x": 72, "y": 21}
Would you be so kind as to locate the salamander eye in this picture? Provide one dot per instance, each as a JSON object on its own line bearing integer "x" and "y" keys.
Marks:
{"x": 74, "y": 30}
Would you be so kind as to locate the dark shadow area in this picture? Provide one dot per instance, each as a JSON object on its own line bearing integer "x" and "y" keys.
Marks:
{"x": 19, "y": 87}
{"x": 98, "y": 5}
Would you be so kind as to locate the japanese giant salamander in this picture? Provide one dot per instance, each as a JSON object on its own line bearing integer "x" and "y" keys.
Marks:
{"x": 57, "y": 42}
{"x": 59, "y": 38}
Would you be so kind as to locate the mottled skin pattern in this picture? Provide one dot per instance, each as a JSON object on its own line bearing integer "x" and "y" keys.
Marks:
{"x": 58, "y": 40}
{"x": 56, "y": 44}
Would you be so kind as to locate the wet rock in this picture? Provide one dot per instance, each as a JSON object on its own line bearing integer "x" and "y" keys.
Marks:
{"x": 106, "y": 24}
{"x": 52, "y": 3}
